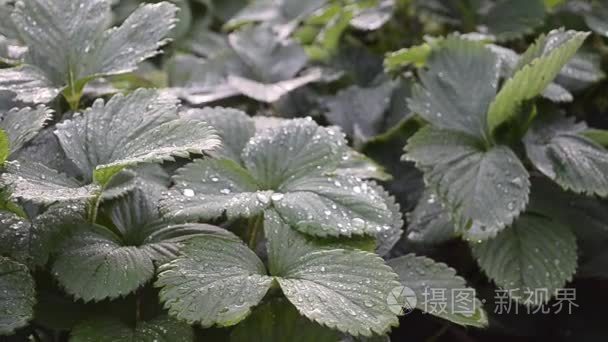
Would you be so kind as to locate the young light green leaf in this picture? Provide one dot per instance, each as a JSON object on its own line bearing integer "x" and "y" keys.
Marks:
{"x": 536, "y": 69}
{"x": 485, "y": 190}
{"x": 69, "y": 44}
{"x": 37, "y": 183}
{"x": 416, "y": 55}
{"x": 460, "y": 83}
{"x": 422, "y": 275}
{"x": 17, "y": 296}
{"x": 5, "y": 146}
{"x": 277, "y": 321}
{"x": 339, "y": 288}
{"x": 558, "y": 148}
{"x": 129, "y": 130}
{"x": 216, "y": 281}
{"x": 536, "y": 252}
{"x": 107, "y": 329}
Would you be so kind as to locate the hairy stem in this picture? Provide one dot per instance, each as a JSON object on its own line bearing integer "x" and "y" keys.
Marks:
{"x": 255, "y": 224}
{"x": 94, "y": 208}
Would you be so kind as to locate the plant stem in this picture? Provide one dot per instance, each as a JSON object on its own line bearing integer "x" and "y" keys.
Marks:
{"x": 137, "y": 306}
{"x": 72, "y": 93}
{"x": 254, "y": 226}
{"x": 94, "y": 209}
{"x": 438, "y": 334}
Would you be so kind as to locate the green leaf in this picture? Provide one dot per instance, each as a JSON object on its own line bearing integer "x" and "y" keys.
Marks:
{"x": 509, "y": 19}
{"x": 37, "y": 183}
{"x": 577, "y": 71}
{"x": 298, "y": 148}
{"x": 210, "y": 188}
{"x": 216, "y": 281}
{"x": 17, "y": 296}
{"x": 423, "y": 275}
{"x": 258, "y": 63}
{"x": 416, "y": 55}
{"x": 138, "y": 38}
{"x": 5, "y": 146}
{"x": 15, "y": 235}
{"x": 430, "y": 222}
{"x": 106, "y": 138}
{"x": 27, "y": 83}
{"x": 360, "y": 111}
{"x": 536, "y": 252}
{"x": 288, "y": 167}
{"x": 339, "y": 288}
{"x": 597, "y": 18}
{"x": 550, "y": 4}
{"x": 485, "y": 190}
{"x": 599, "y": 136}
{"x": 359, "y": 165}
{"x": 7, "y": 27}
{"x": 69, "y": 44}
{"x": 272, "y": 92}
{"x": 106, "y": 329}
{"x": 272, "y": 59}
{"x": 94, "y": 265}
{"x": 338, "y": 205}
{"x": 98, "y": 263}
{"x": 21, "y": 125}
{"x": 456, "y": 89}
{"x": 372, "y": 16}
{"x": 386, "y": 240}
{"x": 277, "y": 321}
{"x": 200, "y": 81}
{"x": 50, "y": 228}
{"x": 538, "y": 66}
{"x": 559, "y": 149}
{"x": 234, "y": 127}
{"x": 281, "y": 12}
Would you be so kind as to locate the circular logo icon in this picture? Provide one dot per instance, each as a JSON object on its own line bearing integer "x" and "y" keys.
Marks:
{"x": 401, "y": 300}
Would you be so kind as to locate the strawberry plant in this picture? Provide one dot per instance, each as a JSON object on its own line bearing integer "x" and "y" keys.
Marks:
{"x": 332, "y": 170}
